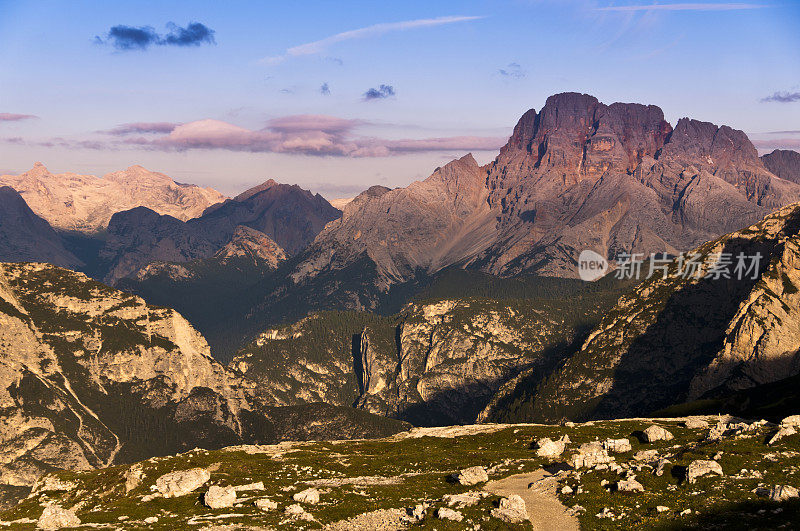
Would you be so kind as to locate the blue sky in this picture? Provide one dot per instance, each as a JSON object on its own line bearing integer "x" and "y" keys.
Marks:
{"x": 461, "y": 74}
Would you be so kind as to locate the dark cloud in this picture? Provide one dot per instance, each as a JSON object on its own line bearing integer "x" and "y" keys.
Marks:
{"x": 11, "y": 117}
{"x": 513, "y": 70}
{"x": 142, "y": 127}
{"x": 382, "y": 92}
{"x": 783, "y": 97}
{"x": 124, "y": 37}
{"x": 325, "y": 90}
{"x": 194, "y": 34}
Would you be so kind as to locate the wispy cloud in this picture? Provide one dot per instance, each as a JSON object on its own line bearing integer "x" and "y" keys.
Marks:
{"x": 793, "y": 132}
{"x": 777, "y": 143}
{"x": 318, "y": 135}
{"x": 380, "y": 93}
{"x": 126, "y": 38}
{"x": 513, "y": 70}
{"x": 317, "y": 47}
{"x": 12, "y": 117}
{"x": 692, "y": 6}
{"x": 142, "y": 127}
{"x": 783, "y": 97}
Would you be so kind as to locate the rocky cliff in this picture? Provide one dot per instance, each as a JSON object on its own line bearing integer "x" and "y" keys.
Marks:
{"x": 678, "y": 338}
{"x": 91, "y": 376}
{"x": 24, "y": 236}
{"x": 85, "y": 203}
{"x": 784, "y": 163}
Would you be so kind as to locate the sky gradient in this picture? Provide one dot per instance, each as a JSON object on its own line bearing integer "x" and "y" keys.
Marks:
{"x": 340, "y": 96}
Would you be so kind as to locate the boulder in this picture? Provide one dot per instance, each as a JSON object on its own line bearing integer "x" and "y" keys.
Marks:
{"x": 443, "y": 513}
{"x": 589, "y": 455}
{"x": 297, "y": 512}
{"x": 459, "y": 501}
{"x": 472, "y": 476}
{"x": 250, "y": 486}
{"x": 617, "y": 446}
{"x": 646, "y": 455}
{"x": 701, "y": 467}
{"x": 791, "y": 421}
{"x": 549, "y": 448}
{"x": 511, "y": 510}
{"x": 182, "y": 482}
{"x": 695, "y": 424}
{"x": 781, "y": 493}
{"x": 265, "y": 504}
{"x": 310, "y": 496}
{"x": 54, "y": 517}
{"x": 219, "y": 497}
{"x": 784, "y": 431}
{"x": 657, "y": 433}
{"x": 630, "y": 485}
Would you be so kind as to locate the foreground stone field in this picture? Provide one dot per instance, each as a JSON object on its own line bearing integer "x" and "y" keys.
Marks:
{"x": 412, "y": 480}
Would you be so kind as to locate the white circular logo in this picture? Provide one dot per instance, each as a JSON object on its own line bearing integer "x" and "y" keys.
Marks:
{"x": 591, "y": 265}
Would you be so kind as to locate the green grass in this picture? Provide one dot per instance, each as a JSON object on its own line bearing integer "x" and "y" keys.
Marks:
{"x": 424, "y": 465}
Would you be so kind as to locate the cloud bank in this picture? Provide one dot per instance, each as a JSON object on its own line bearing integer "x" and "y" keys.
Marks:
{"x": 316, "y": 135}
{"x": 125, "y": 38}
{"x": 142, "y": 127}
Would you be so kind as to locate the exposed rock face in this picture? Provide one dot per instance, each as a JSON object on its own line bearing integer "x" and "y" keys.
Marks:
{"x": 281, "y": 219}
{"x": 675, "y": 339}
{"x": 784, "y": 163}
{"x": 84, "y": 369}
{"x": 69, "y": 201}
{"x": 252, "y": 245}
{"x": 577, "y": 175}
{"x": 437, "y": 363}
{"x": 24, "y": 236}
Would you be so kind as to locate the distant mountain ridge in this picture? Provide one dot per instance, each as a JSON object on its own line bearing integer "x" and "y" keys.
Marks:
{"x": 577, "y": 175}
{"x": 85, "y": 203}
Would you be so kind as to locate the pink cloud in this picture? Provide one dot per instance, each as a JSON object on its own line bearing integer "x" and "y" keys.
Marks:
{"x": 142, "y": 127}
{"x": 319, "y": 135}
{"x": 777, "y": 143}
{"x": 11, "y": 117}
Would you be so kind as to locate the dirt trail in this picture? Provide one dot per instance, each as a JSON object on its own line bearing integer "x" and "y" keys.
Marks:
{"x": 544, "y": 510}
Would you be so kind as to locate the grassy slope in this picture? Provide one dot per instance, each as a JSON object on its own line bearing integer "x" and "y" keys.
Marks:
{"x": 424, "y": 464}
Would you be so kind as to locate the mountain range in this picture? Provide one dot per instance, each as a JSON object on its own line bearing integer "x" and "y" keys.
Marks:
{"x": 141, "y": 317}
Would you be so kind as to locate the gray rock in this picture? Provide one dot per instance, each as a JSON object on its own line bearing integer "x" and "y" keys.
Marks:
{"x": 630, "y": 485}
{"x": 781, "y": 493}
{"x": 310, "y": 496}
{"x": 701, "y": 467}
{"x": 219, "y": 497}
{"x": 472, "y": 476}
{"x": 617, "y": 446}
{"x": 444, "y": 513}
{"x": 265, "y": 504}
{"x": 657, "y": 433}
{"x": 54, "y": 517}
{"x": 182, "y": 482}
{"x": 511, "y": 510}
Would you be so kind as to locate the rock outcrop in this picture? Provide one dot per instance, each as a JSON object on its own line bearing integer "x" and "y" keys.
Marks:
{"x": 24, "y": 236}
{"x": 681, "y": 337}
{"x": 784, "y": 163}
{"x": 85, "y": 203}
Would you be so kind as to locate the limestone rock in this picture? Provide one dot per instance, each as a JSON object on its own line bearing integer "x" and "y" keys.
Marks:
{"x": 590, "y": 455}
{"x": 701, "y": 467}
{"x": 219, "y": 497}
{"x": 511, "y": 510}
{"x": 617, "y": 446}
{"x": 472, "y": 476}
{"x": 549, "y": 448}
{"x": 444, "y": 513}
{"x": 792, "y": 421}
{"x": 657, "y": 433}
{"x": 781, "y": 493}
{"x": 182, "y": 482}
{"x": 310, "y": 496}
{"x": 297, "y": 512}
{"x": 783, "y": 431}
{"x": 55, "y": 517}
{"x": 459, "y": 501}
{"x": 630, "y": 485}
{"x": 265, "y": 504}
{"x": 695, "y": 423}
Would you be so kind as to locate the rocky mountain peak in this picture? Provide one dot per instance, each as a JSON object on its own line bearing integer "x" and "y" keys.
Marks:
{"x": 694, "y": 141}
{"x": 250, "y": 192}
{"x": 253, "y": 244}
{"x": 784, "y": 163}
